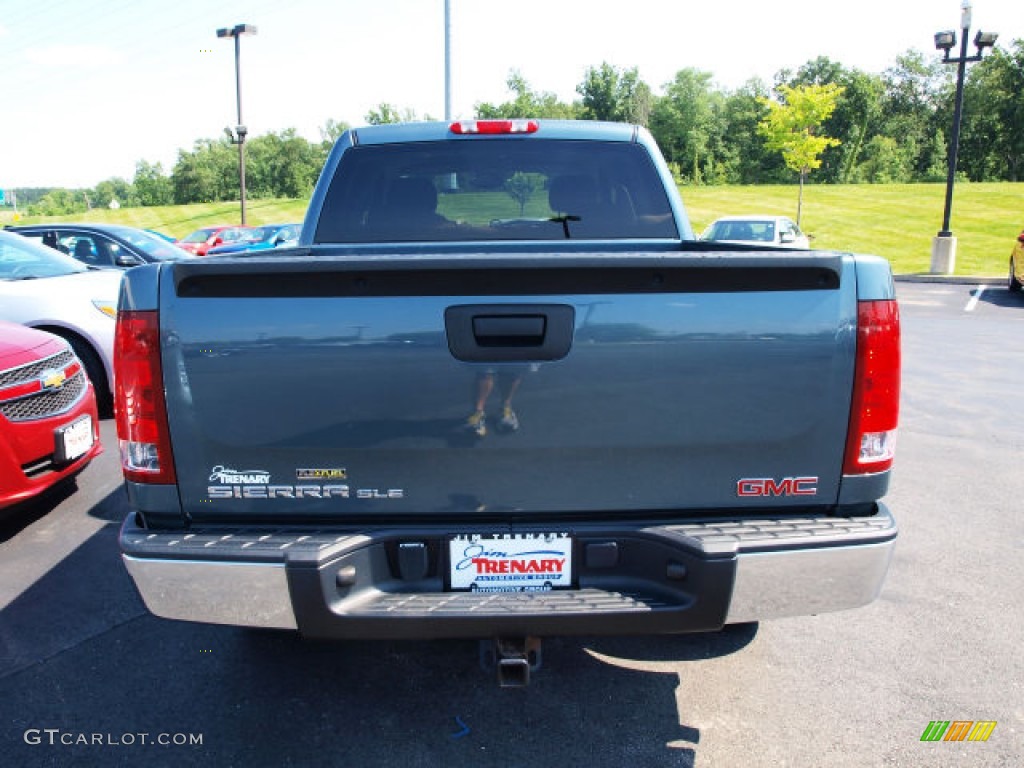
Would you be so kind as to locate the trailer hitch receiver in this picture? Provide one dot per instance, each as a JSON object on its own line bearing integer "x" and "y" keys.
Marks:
{"x": 514, "y": 658}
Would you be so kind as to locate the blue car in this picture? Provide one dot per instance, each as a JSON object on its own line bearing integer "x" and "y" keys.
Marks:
{"x": 162, "y": 235}
{"x": 261, "y": 239}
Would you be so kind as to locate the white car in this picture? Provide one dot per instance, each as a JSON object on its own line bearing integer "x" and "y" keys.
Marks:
{"x": 772, "y": 231}
{"x": 46, "y": 289}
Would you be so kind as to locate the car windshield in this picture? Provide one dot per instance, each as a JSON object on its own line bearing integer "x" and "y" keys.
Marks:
{"x": 199, "y": 236}
{"x": 742, "y": 229}
{"x": 282, "y": 232}
{"x": 256, "y": 235}
{"x": 23, "y": 259}
{"x": 153, "y": 246}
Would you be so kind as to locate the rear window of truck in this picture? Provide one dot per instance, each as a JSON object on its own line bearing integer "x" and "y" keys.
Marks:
{"x": 484, "y": 189}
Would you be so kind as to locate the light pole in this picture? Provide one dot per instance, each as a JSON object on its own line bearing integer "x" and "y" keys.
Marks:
{"x": 447, "y": 61}
{"x": 238, "y": 137}
{"x": 944, "y": 244}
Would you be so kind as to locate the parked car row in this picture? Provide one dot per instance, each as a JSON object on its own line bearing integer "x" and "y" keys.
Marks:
{"x": 56, "y": 339}
{"x": 59, "y": 286}
{"x": 218, "y": 240}
{"x": 56, "y": 348}
{"x": 45, "y": 289}
{"x": 113, "y": 246}
{"x": 260, "y": 239}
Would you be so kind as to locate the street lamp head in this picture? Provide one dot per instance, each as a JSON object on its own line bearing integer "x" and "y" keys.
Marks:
{"x": 984, "y": 40}
{"x": 237, "y": 31}
{"x": 944, "y": 41}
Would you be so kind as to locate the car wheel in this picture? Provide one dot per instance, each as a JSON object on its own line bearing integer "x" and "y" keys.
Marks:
{"x": 1013, "y": 283}
{"x": 96, "y": 373}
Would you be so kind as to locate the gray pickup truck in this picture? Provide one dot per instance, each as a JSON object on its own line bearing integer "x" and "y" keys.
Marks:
{"x": 499, "y": 390}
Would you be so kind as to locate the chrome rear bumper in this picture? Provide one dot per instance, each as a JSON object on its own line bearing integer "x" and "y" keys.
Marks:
{"x": 691, "y": 577}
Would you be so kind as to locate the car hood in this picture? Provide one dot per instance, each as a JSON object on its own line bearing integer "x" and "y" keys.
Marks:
{"x": 99, "y": 282}
{"x": 55, "y": 293}
{"x": 762, "y": 244}
{"x": 20, "y": 345}
{"x": 260, "y": 245}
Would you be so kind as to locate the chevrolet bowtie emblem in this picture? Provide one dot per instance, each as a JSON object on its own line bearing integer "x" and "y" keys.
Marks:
{"x": 52, "y": 379}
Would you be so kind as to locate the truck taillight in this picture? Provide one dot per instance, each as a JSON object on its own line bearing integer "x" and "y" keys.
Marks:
{"x": 494, "y": 126}
{"x": 139, "y": 399}
{"x": 874, "y": 412}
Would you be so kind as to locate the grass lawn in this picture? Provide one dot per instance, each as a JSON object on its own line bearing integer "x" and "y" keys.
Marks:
{"x": 896, "y": 221}
{"x": 180, "y": 220}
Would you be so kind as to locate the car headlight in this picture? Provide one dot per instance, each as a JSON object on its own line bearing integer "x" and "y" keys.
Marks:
{"x": 108, "y": 308}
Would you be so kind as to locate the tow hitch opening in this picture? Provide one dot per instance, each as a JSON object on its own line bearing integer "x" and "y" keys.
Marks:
{"x": 514, "y": 658}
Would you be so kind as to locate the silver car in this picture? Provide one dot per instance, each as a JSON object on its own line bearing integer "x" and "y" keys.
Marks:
{"x": 771, "y": 231}
{"x": 46, "y": 289}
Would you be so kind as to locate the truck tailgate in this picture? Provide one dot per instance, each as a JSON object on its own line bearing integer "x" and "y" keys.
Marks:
{"x": 304, "y": 389}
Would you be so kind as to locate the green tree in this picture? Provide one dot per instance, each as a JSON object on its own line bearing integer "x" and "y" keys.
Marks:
{"x": 152, "y": 186}
{"x": 281, "y": 165}
{"x": 856, "y": 116}
{"x": 933, "y": 159}
{"x": 388, "y": 113}
{"x": 912, "y": 93}
{"x": 60, "y": 202}
{"x": 520, "y": 187}
{"x": 384, "y": 114}
{"x": 527, "y": 103}
{"x": 791, "y": 128}
{"x": 745, "y": 157}
{"x": 207, "y": 174}
{"x": 687, "y": 124}
{"x": 887, "y": 162}
{"x": 112, "y": 189}
{"x": 855, "y": 121}
{"x": 332, "y": 130}
{"x": 609, "y": 94}
{"x": 992, "y": 134}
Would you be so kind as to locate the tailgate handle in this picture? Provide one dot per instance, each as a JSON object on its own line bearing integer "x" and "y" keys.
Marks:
{"x": 487, "y": 333}
{"x": 509, "y": 330}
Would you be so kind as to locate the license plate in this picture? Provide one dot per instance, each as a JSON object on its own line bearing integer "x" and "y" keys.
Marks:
{"x": 74, "y": 439}
{"x": 510, "y": 563}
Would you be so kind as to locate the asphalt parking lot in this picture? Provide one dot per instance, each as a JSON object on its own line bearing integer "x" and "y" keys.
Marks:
{"x": 88, "y": 677}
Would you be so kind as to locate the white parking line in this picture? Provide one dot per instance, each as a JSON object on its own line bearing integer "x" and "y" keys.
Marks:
{"x": 920, "y": 303}
{"x": 975, "y": 298}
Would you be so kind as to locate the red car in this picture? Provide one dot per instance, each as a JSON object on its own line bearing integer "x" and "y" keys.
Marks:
{"x": 202, "y": 240}
{"x": 49, "y": 427}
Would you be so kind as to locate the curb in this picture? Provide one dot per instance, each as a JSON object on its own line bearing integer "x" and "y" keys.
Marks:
{"x": 949, "y": 279}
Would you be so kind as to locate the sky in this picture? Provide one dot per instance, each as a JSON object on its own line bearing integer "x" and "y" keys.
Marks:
{"x": 90, "y": 87}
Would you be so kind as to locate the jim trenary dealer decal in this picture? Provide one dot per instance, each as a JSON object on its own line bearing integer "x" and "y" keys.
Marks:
{"x": 511, "y": 562}
{"x": 256, "y": 484}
